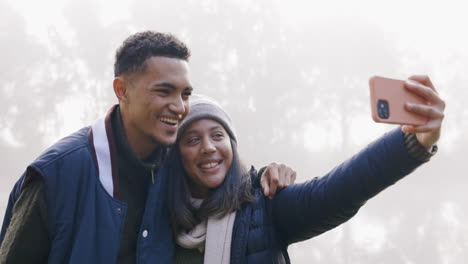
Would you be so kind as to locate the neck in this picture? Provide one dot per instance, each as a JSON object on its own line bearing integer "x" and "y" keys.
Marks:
{"x": 197, "y": 191}
{"x": 142, "y": 145}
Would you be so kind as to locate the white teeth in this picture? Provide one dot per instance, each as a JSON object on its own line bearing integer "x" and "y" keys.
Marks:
{"x": 209, "y": 165}
{"x": 169, "y": 120}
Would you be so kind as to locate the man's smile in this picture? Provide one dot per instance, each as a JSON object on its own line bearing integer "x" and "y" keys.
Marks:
{"x": 169, "y": 120}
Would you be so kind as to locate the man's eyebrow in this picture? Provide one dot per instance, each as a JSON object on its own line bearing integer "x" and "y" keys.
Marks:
{"x": 165, "y": 84}
{"x": 172, "y": 86}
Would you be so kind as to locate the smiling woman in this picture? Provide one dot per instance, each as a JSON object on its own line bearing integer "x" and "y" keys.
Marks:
{"x": 207, "y": 153}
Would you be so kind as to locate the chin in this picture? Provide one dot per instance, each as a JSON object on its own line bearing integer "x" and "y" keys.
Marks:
{"x": 164, "y": 141}
{"x": 214, "y": 185}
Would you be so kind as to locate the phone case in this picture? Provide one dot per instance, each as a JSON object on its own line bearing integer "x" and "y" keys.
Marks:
{"x": 388, "y": 98}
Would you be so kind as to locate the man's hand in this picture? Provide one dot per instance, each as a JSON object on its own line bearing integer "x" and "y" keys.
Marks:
{"x": 276, "y": 176}
{"x": 429, "y": 133}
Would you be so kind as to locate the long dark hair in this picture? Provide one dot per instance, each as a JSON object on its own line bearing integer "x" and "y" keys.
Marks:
{"x": 226, "y": 198}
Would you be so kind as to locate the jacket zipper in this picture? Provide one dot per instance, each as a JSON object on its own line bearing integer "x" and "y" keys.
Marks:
{"x": 152, "y": 173}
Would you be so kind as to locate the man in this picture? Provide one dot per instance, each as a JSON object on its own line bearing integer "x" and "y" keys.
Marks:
{"x": 98, "y": 195}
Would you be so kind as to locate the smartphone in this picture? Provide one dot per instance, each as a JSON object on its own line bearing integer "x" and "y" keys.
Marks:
{"x": 388, "y": 98}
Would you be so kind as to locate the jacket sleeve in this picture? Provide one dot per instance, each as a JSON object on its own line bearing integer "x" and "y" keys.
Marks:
{"x": 24, "y": 232}
{"x": 305, "y": 210}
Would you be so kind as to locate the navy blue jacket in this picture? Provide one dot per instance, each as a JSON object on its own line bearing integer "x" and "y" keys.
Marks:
{"x": 263, "y": 229}
{"x": 84, "y": 221}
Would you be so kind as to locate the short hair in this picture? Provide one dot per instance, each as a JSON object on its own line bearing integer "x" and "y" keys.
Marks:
{"x": 137, "y": 48}
{"x": 226, "y": 198}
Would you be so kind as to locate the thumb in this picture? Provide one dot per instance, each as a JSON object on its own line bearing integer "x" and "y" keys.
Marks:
{"x": 407, "y": 129}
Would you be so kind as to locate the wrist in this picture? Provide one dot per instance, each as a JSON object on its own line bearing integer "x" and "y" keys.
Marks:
{"x": 417, "y": 150}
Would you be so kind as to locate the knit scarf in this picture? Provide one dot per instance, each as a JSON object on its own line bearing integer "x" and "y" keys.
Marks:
{"x": 212, "y": 236}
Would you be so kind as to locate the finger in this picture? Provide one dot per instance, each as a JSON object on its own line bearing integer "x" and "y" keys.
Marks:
{"x": 284, "y": 179}
{"x": 424, "y": 79}
{"x": 264, "y": 183}
{"x": 429, "y": 127}
{"x": 266, "y": 190}
{"x": 428, "y": 111}
{"x": 293, "y": 178}
{"x": 435, "y": 127}
{"x": 283, "y": 176}
{"x": 273, "y": 182}
{"x": 290, "y": 177}
{"x": 423, "y": 91}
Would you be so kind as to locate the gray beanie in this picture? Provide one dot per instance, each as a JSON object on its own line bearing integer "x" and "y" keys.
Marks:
{"x": 202, "y": 107}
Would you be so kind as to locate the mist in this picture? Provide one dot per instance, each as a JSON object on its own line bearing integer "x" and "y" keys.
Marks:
{"x": 294, "y": 77}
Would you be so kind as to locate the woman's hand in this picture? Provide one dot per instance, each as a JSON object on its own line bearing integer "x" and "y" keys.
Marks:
{"x": 429, "y": 133}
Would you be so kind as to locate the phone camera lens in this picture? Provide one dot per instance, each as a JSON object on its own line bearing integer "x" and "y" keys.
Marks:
{"x": 382, "y": 109}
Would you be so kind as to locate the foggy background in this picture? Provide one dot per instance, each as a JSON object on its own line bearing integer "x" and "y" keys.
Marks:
{"x": 293, "y": 75}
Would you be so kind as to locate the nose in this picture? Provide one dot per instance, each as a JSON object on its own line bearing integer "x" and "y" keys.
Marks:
{"x": 178, "y": 106}
{"x": 208, "y": 147}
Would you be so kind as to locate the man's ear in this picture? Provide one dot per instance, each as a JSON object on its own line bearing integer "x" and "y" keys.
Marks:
{"x": 120, "y": 89}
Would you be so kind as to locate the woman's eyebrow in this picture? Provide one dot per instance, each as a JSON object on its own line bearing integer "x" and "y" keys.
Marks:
{"x": 194, "y": 131}
{"x": 188, "y": 132}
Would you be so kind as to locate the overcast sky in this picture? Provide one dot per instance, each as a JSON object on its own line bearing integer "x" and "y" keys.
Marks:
{"x": 293, "y": 74}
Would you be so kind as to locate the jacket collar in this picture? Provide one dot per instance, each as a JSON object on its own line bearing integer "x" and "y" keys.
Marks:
{"x": 104, "y": 151}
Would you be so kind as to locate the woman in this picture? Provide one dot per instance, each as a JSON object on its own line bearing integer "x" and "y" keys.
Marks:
{"x": 220, "y": 215}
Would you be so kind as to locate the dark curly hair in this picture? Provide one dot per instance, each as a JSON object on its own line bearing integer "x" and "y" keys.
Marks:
{"x": 136, "y": 49}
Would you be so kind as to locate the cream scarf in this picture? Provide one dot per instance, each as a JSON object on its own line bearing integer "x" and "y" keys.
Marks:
{"x": 213, "y": 237}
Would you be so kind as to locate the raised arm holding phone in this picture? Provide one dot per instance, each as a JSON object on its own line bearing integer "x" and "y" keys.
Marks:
{"x": 413, "y": 103}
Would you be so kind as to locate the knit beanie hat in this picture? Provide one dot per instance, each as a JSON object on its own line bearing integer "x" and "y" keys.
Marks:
{"x": 202, "y": 107}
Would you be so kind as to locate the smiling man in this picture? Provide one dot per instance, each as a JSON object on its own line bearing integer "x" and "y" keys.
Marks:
{"x": 98, "y": 195}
